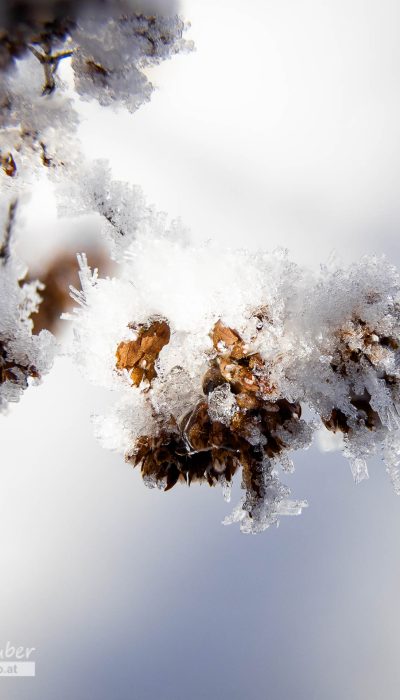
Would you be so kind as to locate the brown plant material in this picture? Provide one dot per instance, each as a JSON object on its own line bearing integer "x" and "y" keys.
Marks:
{"x": 96, "y": 71}
{"x": 25, "y": 23}
{"x": 359, "y": 344}
{"x": 337, "y": 421}
{"x": 244, "y": 370}
{"x": 13, "y": 371}
{"x": 212, "y": 379}
{"x": 227, "y": 341}
{"x": 46, "y": 160}
{"x": 139, "y": 356}
{"x": 200, "y": 448}
{"x": 203, "y": 450}
{"x": 5, "y": 245}
{"x": 56, "y": 279}
{"x": 8, "y": 164}
{"x": 50, "y": 62}
{"x": 149, "y": 30}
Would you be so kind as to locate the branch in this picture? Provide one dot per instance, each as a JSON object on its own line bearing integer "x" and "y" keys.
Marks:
{"x": 50, "y": 63}
{"x": 5, "y": 246}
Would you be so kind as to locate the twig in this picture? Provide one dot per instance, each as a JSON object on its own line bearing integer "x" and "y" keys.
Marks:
{"x": 50, "y": 63}
{"x": 5, "y": 246}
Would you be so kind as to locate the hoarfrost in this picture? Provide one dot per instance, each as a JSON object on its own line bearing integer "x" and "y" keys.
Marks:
{"x": 224, "y": 348}
{"x": 24, "y": 357}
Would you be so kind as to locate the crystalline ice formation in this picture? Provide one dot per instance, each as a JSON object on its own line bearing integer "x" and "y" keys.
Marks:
{"x": 111, "y": 44}
{"x": 352, "y": 323}
{"x": 36, "y": 131}
{"x": 214, "y": 351}
{"x": 98, "y": 33}
{"x": 120, "y": 206}
{"x": 24, "y": 357}
{"x": 113, "y": 54}
{"x": 198, "y": 360}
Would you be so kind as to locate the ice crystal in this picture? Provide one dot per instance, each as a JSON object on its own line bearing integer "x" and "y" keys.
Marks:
{"x": 24, "y": 357}
{"x": 215, "y": 351}
{"x": 197, "y": 356}
{"x": 110, "y": 44}
{"x": 112, "y": 54}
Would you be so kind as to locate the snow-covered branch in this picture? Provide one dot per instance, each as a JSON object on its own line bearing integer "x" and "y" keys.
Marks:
{"x": 110, "y": 45}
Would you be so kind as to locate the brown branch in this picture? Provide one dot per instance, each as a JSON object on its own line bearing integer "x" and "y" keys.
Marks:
{"x": 50, "y": 63}
{"x": 5, "y": 246}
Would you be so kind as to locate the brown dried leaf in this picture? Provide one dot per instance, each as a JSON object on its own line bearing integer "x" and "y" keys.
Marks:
{"x": 227, "y": 341}
{"x": 139, "y": 356}
{"x": 240, "y": 377}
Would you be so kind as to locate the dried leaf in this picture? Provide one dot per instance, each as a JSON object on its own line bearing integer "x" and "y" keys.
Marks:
{"x": 139, "y": 356}
{"x": 227, "y": 341}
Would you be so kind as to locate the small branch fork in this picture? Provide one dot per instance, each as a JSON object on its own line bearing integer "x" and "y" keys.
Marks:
{"x": 50, "y": 63}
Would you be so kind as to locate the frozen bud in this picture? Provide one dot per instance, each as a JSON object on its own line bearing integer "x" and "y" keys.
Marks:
{"x": 218, "y": 436}
{"x": 218, "y": 388}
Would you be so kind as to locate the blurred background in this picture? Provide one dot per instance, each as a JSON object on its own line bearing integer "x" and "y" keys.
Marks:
{"x": 282, "y": 128}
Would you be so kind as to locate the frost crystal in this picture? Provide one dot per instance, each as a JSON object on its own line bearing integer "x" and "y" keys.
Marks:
{"x": 215, "y": 351}
{"x": 24, "y": 357}
{"x": 110, "y": 45}
{"x": 352, "y": 323}
{"x": 197, "y": 357}
{"x": 112, "y": 55}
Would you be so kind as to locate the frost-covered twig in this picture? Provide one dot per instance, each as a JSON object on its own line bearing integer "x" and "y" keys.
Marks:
{"x": 50, "y": 63}
{"x": 24, "y": 358}
{"x": 5, "y": 245}
{"x": 111, "y": 43}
